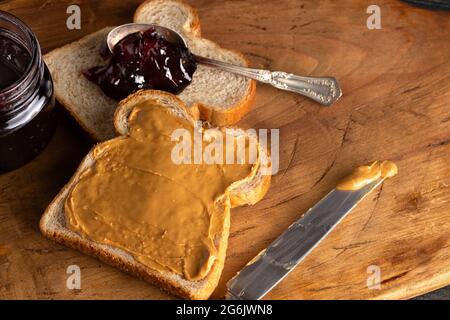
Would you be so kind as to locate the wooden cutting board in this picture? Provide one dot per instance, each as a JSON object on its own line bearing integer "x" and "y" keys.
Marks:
{"x": 396, "y": 83}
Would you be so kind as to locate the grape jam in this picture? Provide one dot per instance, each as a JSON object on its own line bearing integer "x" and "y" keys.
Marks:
{"x": 144, "y": 60}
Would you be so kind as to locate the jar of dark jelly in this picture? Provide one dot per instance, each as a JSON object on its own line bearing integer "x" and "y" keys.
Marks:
{"x": 27, "y": 105}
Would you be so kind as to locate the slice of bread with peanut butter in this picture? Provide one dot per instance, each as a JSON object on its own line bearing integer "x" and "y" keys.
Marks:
{"x": 221, "y": 97}
{"x": 144, "y": 204}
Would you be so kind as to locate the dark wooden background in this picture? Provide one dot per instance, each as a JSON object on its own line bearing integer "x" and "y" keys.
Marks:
{"x": 395, "y": 106}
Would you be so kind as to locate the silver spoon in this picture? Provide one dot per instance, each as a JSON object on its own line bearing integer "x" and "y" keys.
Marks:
{"x": 324, "y": 90}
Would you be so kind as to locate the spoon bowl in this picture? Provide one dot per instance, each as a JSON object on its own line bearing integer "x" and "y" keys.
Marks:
{"x": 120, "y": 32}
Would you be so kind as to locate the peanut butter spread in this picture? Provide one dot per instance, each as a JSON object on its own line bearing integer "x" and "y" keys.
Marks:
{"x": 364, "y": 175}
{"x": 166, "y": 215}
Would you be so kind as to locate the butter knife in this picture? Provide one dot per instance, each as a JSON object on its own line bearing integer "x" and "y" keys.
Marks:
{"x": 274, "y": 263}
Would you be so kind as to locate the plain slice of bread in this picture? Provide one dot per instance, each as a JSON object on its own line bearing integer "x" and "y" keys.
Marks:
{"x": 247, "y": 191}
{"x": 222, "y": 98}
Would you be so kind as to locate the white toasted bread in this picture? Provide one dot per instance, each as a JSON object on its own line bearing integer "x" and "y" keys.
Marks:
{"x": 247, "y": 191}
{"x": 221, "y": 97}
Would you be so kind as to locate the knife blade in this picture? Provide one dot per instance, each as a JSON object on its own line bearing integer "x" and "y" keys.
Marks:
{"x": 275, "y": 262}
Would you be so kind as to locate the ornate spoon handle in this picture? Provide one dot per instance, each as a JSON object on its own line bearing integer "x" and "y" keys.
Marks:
{"x": 324, "y": 90}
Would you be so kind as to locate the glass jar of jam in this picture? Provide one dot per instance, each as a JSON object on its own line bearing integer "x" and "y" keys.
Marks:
{"x": 27, "y": 105}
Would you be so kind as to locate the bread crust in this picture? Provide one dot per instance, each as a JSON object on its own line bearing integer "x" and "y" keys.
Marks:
{"x": 193, "y": 28}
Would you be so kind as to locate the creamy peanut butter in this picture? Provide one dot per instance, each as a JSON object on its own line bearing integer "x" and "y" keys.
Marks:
{"x": 137, "y": 199}
{"x": 364, "y": 175}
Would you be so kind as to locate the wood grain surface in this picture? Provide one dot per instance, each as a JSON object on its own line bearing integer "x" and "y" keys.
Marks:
{"x": 395, "y": 106}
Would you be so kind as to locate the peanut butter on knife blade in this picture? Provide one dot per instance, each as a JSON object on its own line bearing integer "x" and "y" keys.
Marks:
{"x": 137, "y": 199}
{"x": 364, "y": 175}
